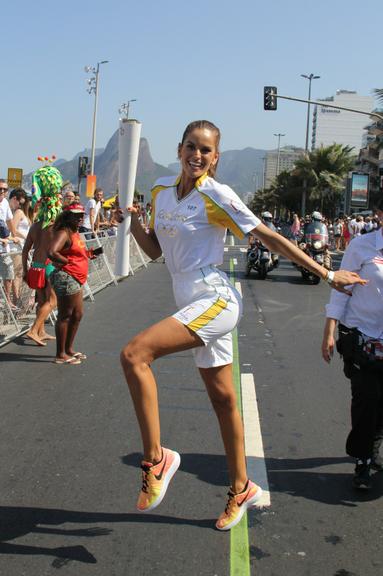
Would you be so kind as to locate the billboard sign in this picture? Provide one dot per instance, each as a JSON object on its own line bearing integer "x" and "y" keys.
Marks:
{"x": 359, "y": 190}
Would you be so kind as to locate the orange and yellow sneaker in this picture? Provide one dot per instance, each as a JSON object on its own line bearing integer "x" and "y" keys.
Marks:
{"x": 156, "y": 478}
{"x": 237, "y": 505}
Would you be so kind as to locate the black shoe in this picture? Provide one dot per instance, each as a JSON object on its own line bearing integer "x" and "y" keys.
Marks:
{"x": 361, "y": 479}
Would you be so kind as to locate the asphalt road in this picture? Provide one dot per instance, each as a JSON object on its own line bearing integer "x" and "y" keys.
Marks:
{"x": 70, "y": 448}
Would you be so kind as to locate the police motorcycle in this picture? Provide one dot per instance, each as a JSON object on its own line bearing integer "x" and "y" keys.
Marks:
{"x": 315, "y": 244}
{"x": 259, "y": 257}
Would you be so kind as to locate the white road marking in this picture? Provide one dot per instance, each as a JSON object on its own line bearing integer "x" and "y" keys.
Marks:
{"x": 238, "y": 287}
{"x": 235, "y": 261}
{"x": 253, "y": 438}
{"x": 243, "y": 249}
{"x": 226, "y": 249}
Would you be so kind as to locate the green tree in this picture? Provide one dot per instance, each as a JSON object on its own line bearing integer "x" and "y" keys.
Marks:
{"x": 325, "y": 170}
{"x": 379, "y": 94}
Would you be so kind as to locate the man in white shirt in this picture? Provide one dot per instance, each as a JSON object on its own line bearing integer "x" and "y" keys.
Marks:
{"x": 92, "y": 212}
{"x": 7, "y": 273}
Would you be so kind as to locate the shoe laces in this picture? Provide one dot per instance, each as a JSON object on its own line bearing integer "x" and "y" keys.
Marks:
{"x": 145, "y": 477}
{"x": 230, "y": 502}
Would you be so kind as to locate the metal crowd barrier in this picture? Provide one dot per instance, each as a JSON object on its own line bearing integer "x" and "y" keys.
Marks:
{"x": 18, "y": 314}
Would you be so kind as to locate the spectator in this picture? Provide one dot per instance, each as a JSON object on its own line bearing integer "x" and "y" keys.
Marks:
{"x": 68, "y": 197}
{"x": 7, "y": 234}
{"x": 70, "y": 258}
{"x": 368, "y": 225}
{"x": 338, "y": 229}
{"x": 92, "y": 212}
{"x": 346, "y": 236}
{"x": 19, "y": 204}
{"x": 47, "y": 182}
{"x": 295, "y": 229}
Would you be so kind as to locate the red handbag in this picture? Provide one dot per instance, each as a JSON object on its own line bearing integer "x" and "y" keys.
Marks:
{"x": 36, "y": 278}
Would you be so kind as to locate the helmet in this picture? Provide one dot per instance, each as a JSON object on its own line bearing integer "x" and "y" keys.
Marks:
{"x": 316, "y": 215}
{"x": 267, "y": 216}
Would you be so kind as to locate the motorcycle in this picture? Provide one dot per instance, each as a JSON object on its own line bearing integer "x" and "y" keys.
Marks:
{"x": 315, "y": 245}
{"x": 260, "y": 258}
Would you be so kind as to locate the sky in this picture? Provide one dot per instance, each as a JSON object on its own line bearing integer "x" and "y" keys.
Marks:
{"x": 181, "y": 60}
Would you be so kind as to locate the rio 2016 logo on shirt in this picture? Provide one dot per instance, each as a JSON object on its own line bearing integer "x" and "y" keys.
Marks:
{"x": 167, "y": 230}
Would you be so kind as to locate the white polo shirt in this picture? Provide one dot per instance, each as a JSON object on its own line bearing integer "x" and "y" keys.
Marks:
{"x": 5, "y": 210}
{"x": 192, "y": 231}
{"x": 364, "y": 309}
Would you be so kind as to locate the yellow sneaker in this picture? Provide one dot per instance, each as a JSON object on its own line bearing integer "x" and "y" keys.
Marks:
{"x": 237, "y": 505}
{"x": 156, "y": 478}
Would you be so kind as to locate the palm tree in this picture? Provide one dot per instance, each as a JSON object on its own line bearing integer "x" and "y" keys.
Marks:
{"x": 325, "y": 169}
{"x": 379, "y": 94}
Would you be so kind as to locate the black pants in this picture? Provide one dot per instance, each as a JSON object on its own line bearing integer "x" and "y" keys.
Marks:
{"x": 366, "y": 411}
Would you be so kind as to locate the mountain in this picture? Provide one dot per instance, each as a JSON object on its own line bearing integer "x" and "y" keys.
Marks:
{"x": 238, "y": 168}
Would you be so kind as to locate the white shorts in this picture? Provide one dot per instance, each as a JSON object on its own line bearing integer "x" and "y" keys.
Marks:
{"x": 211, "y": 307}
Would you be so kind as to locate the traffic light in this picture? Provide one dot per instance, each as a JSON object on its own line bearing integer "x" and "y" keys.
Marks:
{"x": 83, "y": 168}
{"x": 270, "y": 98}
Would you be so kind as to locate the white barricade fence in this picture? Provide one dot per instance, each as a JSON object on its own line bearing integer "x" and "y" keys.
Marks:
{"x": 17, "y": 300}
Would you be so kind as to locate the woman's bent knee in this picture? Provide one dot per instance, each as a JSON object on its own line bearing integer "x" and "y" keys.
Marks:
{"x": 134, "y": 354}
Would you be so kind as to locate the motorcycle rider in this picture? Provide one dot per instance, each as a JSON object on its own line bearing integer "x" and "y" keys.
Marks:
{"x": 267, "y": 219}
{"x": 316, "y": 217}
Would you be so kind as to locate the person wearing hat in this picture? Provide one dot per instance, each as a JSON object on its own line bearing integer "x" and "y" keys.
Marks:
{"x": 70, "y": 257}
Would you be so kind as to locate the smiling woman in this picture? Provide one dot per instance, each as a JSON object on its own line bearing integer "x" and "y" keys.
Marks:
{"x": 190, "y": 217}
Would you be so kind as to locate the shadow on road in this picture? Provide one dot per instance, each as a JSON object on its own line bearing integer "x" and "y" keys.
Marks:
{"x": 16, "y": 522}
{"x": 290, "y": 476}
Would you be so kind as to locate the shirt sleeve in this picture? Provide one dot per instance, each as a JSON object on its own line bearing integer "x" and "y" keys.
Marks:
{"x": 225, "y": 208}
{"x": 352, "y": 261}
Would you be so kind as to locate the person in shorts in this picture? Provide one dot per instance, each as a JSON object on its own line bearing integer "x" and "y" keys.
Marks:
{"x": 190, "y": 216}
{"x": 70, "y": 258}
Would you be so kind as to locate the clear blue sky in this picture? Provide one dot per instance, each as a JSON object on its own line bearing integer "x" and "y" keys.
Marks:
{"x": 182, "y": 60}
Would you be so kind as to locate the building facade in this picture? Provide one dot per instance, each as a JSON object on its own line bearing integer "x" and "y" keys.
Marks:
{"x": 288, "y": 155}
{"x": 337, "y": 126}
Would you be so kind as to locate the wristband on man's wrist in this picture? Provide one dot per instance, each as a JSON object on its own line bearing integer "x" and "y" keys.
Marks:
{"x": 330, "y": 277}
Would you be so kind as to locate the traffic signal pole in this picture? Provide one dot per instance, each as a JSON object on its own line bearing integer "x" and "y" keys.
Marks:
{"x": 326, "y": 105}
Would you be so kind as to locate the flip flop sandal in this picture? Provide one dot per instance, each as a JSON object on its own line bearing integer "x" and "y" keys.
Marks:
{"x": 71, "y": 360}
{"x": 79, "y": 355}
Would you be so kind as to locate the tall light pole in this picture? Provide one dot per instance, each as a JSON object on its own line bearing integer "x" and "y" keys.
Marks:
{"x": 279, "y": 136}
{"x": 263, "y": 171}
{"x": 310, "y": 78}
{"x": 93, "y": 88}
{"x": 124, "y": 108}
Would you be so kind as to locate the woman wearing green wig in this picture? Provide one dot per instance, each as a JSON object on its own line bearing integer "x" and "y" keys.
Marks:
{"x": 46, "y": 186}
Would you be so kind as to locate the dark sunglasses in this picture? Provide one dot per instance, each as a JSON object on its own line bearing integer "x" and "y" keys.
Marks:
{"x": 4, "y": 190}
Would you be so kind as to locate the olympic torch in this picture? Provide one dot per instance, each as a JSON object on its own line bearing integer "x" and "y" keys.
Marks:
{"x": 128, "y": 148}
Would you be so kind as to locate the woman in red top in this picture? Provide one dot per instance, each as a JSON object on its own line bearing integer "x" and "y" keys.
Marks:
{"x": 70, "y": 258}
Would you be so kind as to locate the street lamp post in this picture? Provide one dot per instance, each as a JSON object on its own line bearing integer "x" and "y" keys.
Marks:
{"x": 279, "y": 136}
{"x": 263, "y": 172}
{"x": 310, "y": 78}
{"x": 124, "y": 108}
{"x": 93, "y": 88}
